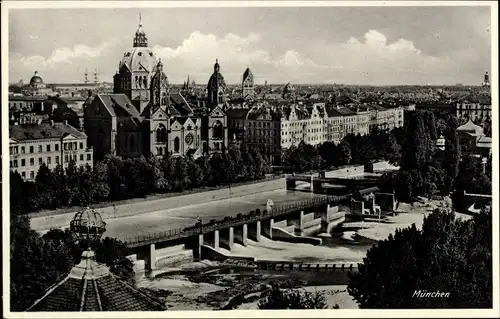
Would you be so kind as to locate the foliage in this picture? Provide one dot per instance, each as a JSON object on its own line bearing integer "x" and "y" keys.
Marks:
{"x": 448, "y": 255}
{"x": 116, "y": 179}
{"x": 35, "y": 263}
{"x": 38, "y": 262}
{"x": 292, "y": 299}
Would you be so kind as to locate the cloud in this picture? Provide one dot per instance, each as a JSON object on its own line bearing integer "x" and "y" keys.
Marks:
{"x": 370, "y": 59}
{"x": 66, "y": 55}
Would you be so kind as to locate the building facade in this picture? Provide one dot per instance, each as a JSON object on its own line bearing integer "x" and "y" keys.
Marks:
{"x": 31, "y": 145}
{"x": 478, "y": 111}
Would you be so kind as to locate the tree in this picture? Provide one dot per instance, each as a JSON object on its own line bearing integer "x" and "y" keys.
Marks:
{"x": 328, "y": 151}
{"x": 415, "y": 151}
{"x": 344, "y": 153}
{"x": 35, "y": 264}
{"x": 471, "y": 177}
{"x": 17, "y": 194}
{"x": 292, "y": 299}
{"x": 391, "y": 150}
{"x": 447, "y": 255}
{"x": 452, "y": 147}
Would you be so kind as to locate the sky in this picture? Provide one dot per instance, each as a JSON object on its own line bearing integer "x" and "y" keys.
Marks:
{"x": 301, "y": 45}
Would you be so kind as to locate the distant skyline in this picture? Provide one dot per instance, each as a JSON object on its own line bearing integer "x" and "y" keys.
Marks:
{"x": 317, "y": 45}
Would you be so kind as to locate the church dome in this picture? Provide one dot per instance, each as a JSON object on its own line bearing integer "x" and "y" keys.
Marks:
{"x": 140, "y": 59}
{"x": 36, "y": 79}
{"x": 216, "y": 80}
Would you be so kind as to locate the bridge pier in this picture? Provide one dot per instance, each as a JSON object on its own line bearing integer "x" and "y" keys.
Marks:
{"x": 212, "y": 239}
{"x": 198, "y": 242}
{"x": 241, "y": 234}
{"x": 226, "y": 239}
{"x": 267, "y": 228}
{"x": 150, "y": 257}
{"x": 254, "y": 231}
{"x": 290, "y": 184}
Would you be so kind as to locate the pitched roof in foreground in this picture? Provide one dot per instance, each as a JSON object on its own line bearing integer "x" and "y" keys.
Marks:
{"x": 90, "y": 286}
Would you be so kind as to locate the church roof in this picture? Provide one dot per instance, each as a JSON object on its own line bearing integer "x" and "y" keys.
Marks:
{"x": 90, "y": 286}
{"x": 118, "y": 104}
{"x": 247, "y": 73}
{"x": 139, "y": 59}
{"x": 23, "y": 132}
{"x": 237, "y": 113}
{"x": 216, "y": 80}
{"x": 180, "y": 104}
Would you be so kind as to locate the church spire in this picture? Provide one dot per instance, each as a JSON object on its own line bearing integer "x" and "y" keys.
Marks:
{"x": 140, "y": 39}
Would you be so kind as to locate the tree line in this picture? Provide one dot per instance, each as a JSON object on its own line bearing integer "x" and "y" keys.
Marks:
{"x": 353, "y": 149}
{"x": 117, "y": 179}
{"x": 427, "y": 171}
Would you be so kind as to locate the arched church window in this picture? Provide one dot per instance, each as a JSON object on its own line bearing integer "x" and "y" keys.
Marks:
{"x": 161, "y": 134}
{"x": 145, "y": 82}
{"x": 140, "y": 82}
{"x": 177, "y": 144}
{"x": 217, "y": 130}
{"x": 164, "y": 99}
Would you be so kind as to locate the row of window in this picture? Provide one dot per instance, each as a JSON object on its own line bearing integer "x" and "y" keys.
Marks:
{"x": 67, "y": 158}
{"x": 264, "y": 133}
{"x": 69, "y": 146}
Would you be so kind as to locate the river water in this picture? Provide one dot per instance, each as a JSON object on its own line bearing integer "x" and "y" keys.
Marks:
{"x": 345, "y": 245}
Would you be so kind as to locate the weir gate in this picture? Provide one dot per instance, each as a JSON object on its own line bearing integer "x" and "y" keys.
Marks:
{"x": 287, "y": 222}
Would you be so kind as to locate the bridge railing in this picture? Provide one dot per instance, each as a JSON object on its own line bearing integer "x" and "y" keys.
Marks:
{"x": 236, "y": 221}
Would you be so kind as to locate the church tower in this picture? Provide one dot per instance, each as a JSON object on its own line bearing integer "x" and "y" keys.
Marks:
{"x": 135, "y": 71}
{"x": 160, "y": 96}
{"x": 247, "y": 85}
{"x": 216, "y": 88}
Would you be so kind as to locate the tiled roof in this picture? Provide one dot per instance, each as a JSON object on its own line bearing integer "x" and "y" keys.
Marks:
{"x": 41, "y": 131}
{"x": 180, "y": 104}
{"x": 378, "y": 107}
{"x": 29, "y": 98}
{"x": 90, "y": 286}
{"x": 237, "y": 114}
{"x": 118, "y": 103}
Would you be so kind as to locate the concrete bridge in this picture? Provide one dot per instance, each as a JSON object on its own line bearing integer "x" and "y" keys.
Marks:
{"x": 289, "y": 222}
{"x": 469, "y": 203}
{"x": 316, "y": 182}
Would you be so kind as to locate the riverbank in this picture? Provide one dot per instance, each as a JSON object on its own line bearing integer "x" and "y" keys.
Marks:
{"x": 156, "y": 197}
{"x": 184, "y": 201}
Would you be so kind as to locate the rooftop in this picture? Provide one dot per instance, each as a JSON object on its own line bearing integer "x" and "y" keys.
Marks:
{"x": 24, "y": 132}
{"x": 90, "y": 286}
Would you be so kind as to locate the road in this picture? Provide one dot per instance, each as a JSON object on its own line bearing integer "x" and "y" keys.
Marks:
{"x": 183, "y": 216}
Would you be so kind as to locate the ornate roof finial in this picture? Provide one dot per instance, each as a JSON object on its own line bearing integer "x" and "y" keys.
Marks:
{"x": 140, "y": 39}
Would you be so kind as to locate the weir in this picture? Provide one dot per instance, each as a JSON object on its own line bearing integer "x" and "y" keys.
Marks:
{"x": 291, "y": 223}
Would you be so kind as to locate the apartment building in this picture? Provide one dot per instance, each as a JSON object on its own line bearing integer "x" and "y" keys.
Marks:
{"x": 31, "y": 145}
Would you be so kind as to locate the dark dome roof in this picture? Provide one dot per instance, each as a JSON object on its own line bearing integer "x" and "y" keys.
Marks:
{"x": 247, "y": 73}
{"x": 36, "y": 79}
{"x": 216, "y": 80}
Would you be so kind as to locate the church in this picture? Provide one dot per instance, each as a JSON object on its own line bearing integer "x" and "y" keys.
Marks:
{"x": 143, "y": 116}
